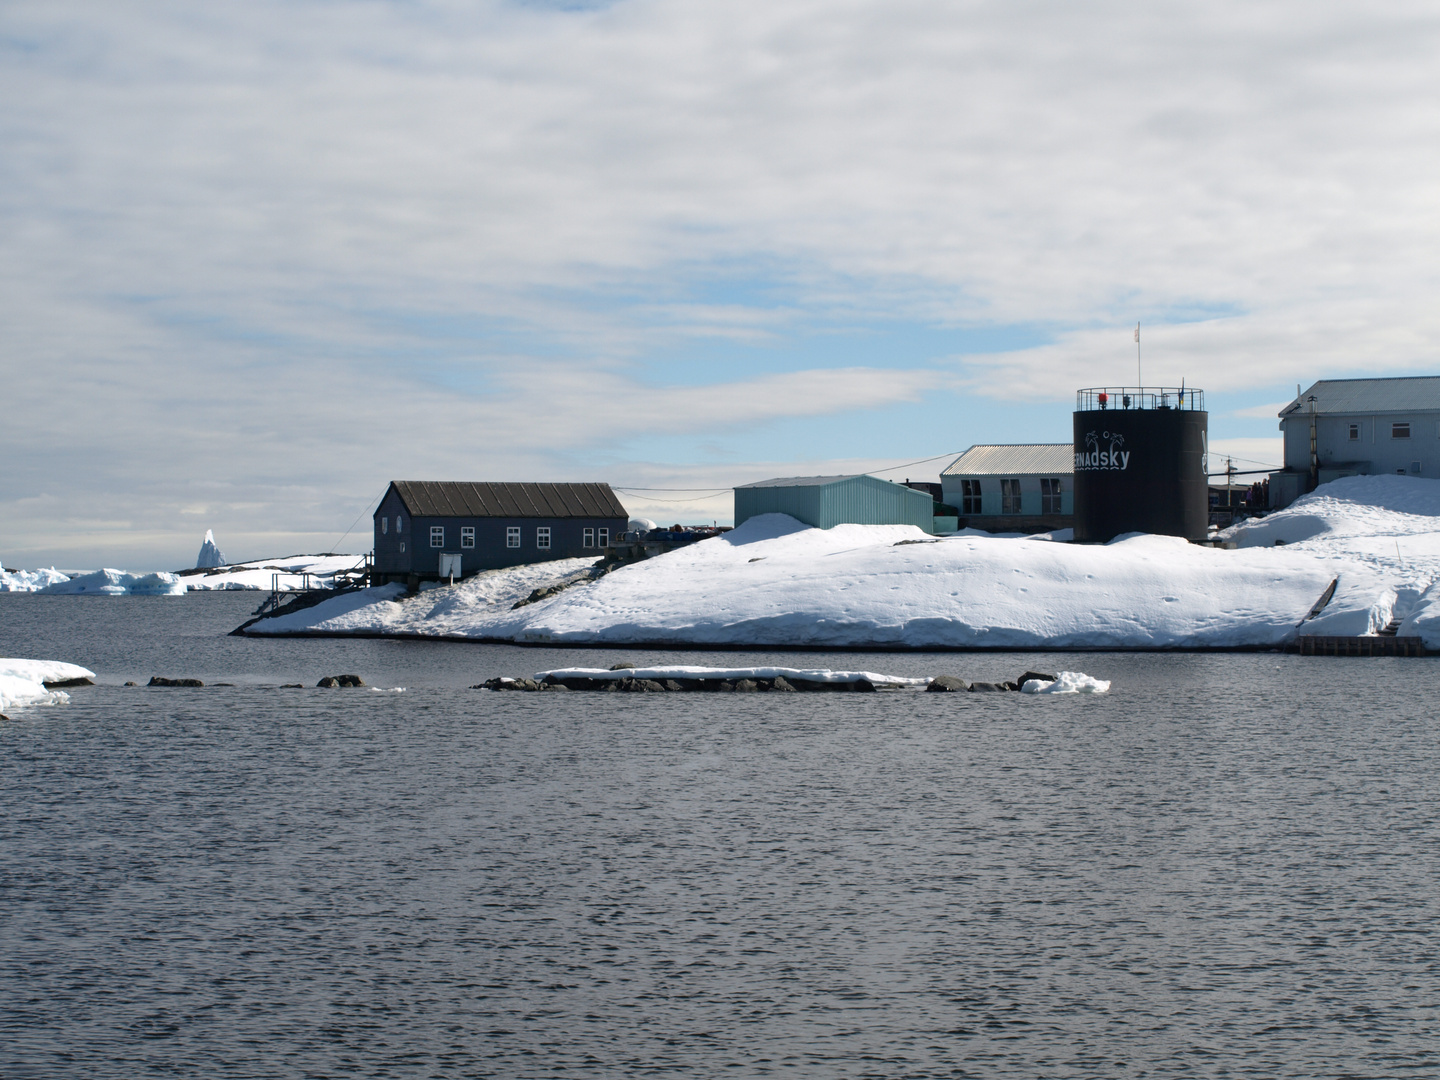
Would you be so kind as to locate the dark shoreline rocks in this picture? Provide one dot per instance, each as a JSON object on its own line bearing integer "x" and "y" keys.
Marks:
{"x": 333, "y": 681}
{"x": 784, "y": 684}
{"x": 156, "y": 680}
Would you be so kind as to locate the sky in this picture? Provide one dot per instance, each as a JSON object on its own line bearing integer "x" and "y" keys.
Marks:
{"x": 259, "y": 258}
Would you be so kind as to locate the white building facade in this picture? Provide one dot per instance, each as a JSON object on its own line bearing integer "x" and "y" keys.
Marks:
{"x": 1350, "y": 427}
{"x": 1026, "y": 487}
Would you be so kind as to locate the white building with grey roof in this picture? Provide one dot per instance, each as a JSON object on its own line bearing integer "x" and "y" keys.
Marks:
{"x": 1025, "y": 487}
{"x": 1350, "y": 427}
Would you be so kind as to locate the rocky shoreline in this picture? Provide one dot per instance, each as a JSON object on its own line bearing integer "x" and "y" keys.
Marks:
{"x": 620, "y": 680}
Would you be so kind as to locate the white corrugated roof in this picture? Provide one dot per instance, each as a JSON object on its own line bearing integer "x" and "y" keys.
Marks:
{"x": 801, "y": 481}
{"x": 1015, "y": 459}
{"x": 1412, "y": 393}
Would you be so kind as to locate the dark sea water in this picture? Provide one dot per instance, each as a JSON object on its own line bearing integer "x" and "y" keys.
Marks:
{"x": 1229, "y": 866}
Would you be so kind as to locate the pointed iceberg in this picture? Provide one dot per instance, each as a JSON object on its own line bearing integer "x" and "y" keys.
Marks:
{"x": 210, "y": 555}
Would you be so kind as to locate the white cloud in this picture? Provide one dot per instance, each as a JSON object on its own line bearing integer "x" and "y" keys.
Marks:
{"x": 258, "y": 244}
{"x": 1263, "y": 412}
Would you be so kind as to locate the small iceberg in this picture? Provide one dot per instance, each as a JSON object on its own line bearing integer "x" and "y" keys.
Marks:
{"x": 29, "y": 580}
{"x": 1067, "y": 682}
{"x": 210, "y": 556}
{"x": 117, "y": 583}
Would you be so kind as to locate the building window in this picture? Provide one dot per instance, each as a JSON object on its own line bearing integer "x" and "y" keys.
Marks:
{"x": 542, "y": 538}
{"x": 1049, "y": 495}
{"x": 512, "y": 536}
{"x": 467, "y": 536}
{"x": 1009, "y": 496}
{"x": 1400, "y": 431}
{"x": 399, "y": 523}
{"x": 970, "y": 502}
{"x": 437, "y": 535}
{"x": 588, "y": 538}
{"x": 604, "y": 537}
{"x": 1354, "y": 432}
{"x": 384, "y": 525}
{"x": 402, "y": 547}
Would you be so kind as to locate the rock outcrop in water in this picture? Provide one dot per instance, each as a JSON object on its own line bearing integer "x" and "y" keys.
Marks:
{"x": 624, "y": 683}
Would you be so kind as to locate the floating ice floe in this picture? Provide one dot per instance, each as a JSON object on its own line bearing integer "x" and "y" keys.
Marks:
{"x": 118, "y": 583}
{"x": 22, "y": 682}
{"x": 684, "y": 671}
{"x": 29, "y": 580}
{"x": 1067, "y": 682}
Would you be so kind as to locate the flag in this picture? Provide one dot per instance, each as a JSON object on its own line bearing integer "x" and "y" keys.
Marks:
{"x": 1137, "y": 333}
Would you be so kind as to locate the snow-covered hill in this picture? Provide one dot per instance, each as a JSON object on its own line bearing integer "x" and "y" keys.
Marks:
{"x": 774, "y": 581}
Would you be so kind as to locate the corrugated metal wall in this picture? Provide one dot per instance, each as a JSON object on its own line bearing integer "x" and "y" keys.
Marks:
{"x": 801, "y": 503}
{"x": 860, "y": 500}
{"x": 864, "y": 500}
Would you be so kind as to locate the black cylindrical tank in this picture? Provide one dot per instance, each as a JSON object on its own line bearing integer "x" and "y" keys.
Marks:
{"x": 1141, "y": 468}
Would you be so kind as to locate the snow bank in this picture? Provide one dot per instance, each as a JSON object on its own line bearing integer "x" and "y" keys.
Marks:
{"x": 261, "y": 574}
{"x": 29, "y": 580}
{"x": 1389, "y": 523}
{"x": 775, "y": 581}
{"x": 1067, "y": 682}
{"x": 368, "y": 611}
{"x": 210, "y": 555}
{"x": 683, "y": 671}
{"x": 117, "y": 583}
{"x": 489, "y": 594}
{"x": 22, "y": 682}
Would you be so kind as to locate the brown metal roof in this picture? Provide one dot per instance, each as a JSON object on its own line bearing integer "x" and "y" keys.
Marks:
{"x": 463, "y": 498}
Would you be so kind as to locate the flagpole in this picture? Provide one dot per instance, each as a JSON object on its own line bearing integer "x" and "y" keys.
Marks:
{"x": 1138, "y": 377}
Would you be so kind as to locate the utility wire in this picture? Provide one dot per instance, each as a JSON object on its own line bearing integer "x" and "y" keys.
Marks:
{"x": 638, "y": 490}
{"x": 358, "y": 516}
{"x": 922, "y": 461}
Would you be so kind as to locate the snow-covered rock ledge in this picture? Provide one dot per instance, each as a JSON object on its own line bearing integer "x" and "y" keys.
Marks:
{"x": 624, "y": 678}
{"x": 775, "y": 583}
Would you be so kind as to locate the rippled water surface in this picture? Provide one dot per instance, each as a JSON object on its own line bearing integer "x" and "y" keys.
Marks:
{"x": 1226, "y": 867}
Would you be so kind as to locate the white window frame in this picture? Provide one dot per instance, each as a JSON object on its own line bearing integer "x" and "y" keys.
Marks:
{"x": 1010, "y": 496}
{"x": 402, "y": 547}
{"x": 1050, "y": 489}
{"x": 587, "y": 538}
{"x": 1354, "y": 432}
{"x": 512, "y": 536}
{"x": 467, "y": 536}
{"x": 384, "y": 526}
{"x": 971, "y": 502}
{"x": 1397, "y": 426}
{"x": 437, "y": 536}
{"x": 603, "y": 536}
{"x": 399, "y": 523}
{"x": 542, "y": 537}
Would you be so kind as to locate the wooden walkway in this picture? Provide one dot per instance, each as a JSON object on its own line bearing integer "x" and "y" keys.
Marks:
{"x": 1382, "y": 645}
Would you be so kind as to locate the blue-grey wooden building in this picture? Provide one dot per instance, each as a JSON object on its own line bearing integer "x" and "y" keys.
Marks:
{"x": 827, "y": 501}
{"x": 424, "y": 528}
{"x": 1350, "y": 427}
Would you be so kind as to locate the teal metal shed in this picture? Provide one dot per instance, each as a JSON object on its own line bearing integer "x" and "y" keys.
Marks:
{"x": 827, "y": 501}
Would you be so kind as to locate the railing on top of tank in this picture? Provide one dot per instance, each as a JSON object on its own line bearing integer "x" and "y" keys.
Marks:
{"x": 1140, "y": 397}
